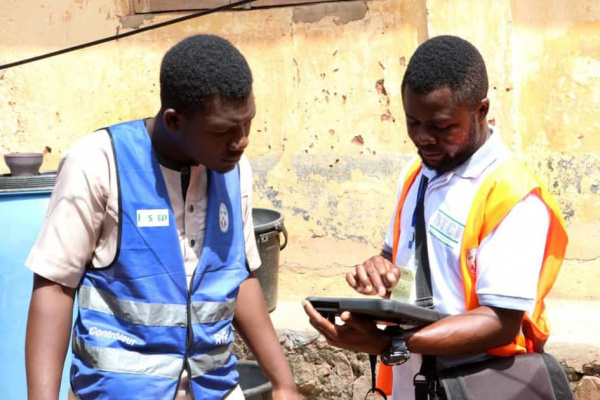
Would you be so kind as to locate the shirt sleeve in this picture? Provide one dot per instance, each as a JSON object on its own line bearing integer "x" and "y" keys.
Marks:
{"x": 76, "y": 210}
{"x": 252, "y": 254}
{"x": 509, "y": 260}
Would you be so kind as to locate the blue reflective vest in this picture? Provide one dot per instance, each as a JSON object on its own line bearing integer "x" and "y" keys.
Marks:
{"x": 138, "y": 325}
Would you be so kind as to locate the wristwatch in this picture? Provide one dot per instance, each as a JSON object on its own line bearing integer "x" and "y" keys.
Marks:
{"x": 397, "y": 353}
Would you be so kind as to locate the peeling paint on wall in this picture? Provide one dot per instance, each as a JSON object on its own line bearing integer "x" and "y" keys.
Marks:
{"x": 574, "y": 180}
{"x": 329, "y": 137}
{"x": 135, "y": 21}
{"x": 342, "y": 12}
{"x": 339, "y": 211}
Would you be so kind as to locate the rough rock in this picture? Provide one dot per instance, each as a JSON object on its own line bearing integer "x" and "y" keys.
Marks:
{"x": 360, "y": 387}
{"x": 588, "y": 389}
{"x": 323, "y": 372}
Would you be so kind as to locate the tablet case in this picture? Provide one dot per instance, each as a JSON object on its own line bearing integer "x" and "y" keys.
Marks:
{"x": 378, "y": 309}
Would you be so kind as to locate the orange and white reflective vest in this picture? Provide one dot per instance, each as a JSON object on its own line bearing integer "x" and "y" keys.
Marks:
{"x": 504, "y": 187}
{"x": 508, "y": 184}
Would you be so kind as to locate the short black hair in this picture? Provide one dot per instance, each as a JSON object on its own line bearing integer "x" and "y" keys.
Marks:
{"x": 448, "y": 61}
{"x": 199, "y": 68}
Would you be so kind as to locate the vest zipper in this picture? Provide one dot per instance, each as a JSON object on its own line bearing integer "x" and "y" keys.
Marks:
{"x": 189, "y": 336}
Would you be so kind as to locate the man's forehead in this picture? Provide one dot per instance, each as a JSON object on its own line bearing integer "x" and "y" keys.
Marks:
{"x": 222, "y": 101}
{"x": 438, "y": 92}
{"x": 231, "y": 111}
{"x": 440, "y": 98}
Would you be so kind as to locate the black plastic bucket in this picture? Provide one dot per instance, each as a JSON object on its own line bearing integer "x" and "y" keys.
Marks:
{"x": 268, "y": 224}
{"x": 253, "y": 382}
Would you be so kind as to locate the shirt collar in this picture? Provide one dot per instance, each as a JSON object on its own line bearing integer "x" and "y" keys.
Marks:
{"x": 483, "y": 157}
{"x": 489, "y": 152}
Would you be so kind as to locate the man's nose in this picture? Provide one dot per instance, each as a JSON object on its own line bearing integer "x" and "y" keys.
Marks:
{"x": 424, "y": 136}
{"x": 240, "y": 141}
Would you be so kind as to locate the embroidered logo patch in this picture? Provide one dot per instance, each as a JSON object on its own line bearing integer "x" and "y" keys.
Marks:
{"x": 152, "y": 218}
{"x": 472, "y": 260}
{"x": 223, "y": 218}
{"x": 446, "y": 229}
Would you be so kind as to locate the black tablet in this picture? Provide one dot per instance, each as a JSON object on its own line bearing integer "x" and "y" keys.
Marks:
{"x": 377, "y": 309}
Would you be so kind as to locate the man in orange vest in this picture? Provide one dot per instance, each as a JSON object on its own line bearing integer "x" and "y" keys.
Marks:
{"x": 493, "y": 238}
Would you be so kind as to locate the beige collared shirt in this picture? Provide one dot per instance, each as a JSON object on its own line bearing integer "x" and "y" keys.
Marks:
{"x": 81, "y": 223}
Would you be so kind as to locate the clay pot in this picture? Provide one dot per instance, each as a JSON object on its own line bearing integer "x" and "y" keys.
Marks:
{"x": 24, "y": 164}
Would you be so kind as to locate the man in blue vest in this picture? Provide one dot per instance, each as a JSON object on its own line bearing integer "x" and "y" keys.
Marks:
{"x": 150, "y": 225}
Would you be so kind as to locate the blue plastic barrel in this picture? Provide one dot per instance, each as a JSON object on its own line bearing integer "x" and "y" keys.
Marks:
{"x": 23, "y": 203}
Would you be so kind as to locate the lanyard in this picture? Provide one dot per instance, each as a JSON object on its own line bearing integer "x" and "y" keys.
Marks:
{"x": 374, "y": 388}
{"x": 420, "y": 199}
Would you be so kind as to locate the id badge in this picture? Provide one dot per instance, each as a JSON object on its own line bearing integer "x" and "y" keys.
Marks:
{"x": 404, "y": 287}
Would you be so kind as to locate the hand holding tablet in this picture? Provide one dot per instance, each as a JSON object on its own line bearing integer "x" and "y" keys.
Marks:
{"x": 381, "y": 310}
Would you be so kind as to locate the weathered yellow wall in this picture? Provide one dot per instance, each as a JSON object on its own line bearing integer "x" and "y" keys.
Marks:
{"x": 557, "y": 47}
{"x": 327, "y": 141}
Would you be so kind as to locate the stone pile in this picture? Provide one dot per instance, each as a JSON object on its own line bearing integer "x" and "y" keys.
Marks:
{"x": 324, "y": 372}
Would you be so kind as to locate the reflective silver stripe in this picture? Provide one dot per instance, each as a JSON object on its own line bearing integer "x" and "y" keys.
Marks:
{"x": 130, "y": 362}
{"x": 153, "y": 314}
{"x": 214, "y": 359}
{"x": 149, "y": 314}
{"x": 206, "y": 312}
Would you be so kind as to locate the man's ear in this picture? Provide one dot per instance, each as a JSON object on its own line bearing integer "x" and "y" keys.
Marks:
{"x": 482, "y": 110}
{"x": 172, "y": 120}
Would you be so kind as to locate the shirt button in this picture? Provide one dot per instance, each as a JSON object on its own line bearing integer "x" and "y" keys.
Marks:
{"x": 192, "y": 242}
{"x": 191, "y": 208}
{"x": 185, "y": 171}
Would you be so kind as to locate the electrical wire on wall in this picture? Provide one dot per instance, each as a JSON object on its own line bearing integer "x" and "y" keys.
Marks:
{"x": 126, "y": 34}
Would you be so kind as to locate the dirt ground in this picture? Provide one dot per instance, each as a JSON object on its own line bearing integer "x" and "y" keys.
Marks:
{"x": 316, "y": 267}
